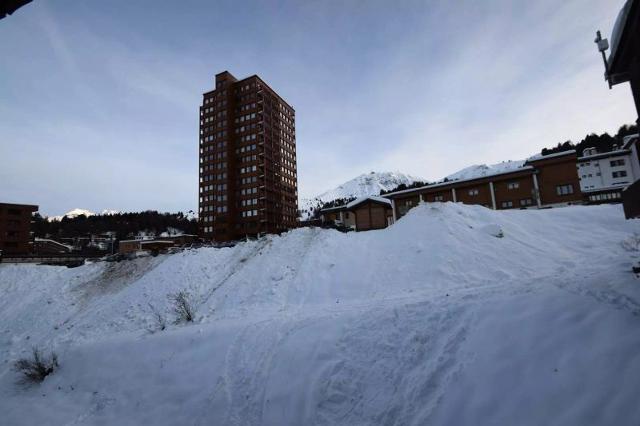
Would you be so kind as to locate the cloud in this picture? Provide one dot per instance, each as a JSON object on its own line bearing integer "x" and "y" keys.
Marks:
{"x": 101, "y": 105}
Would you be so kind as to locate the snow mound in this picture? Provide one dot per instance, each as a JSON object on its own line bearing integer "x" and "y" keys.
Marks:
{"x": 431, "y": 321}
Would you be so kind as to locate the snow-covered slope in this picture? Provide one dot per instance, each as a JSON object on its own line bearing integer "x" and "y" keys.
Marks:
{"x": 455, "y": 315}
{"x": 361, "y": 186}
{"x": 480, "y": 170}
{"x": 81, "y": 212}
{"x": 71, "y": 214}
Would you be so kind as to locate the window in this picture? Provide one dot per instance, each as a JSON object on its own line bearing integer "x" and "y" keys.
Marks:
{"x": 621, "y": 173}
{"x": 526, "y": 202}
{"x": 438, "y": 198}
{"x": 564, "y": 189}
{"x": 473, "y": 192}
{"x": 513, "y": 185}
{"x": 506, "y": 204}
{"x": 615, "y": 163}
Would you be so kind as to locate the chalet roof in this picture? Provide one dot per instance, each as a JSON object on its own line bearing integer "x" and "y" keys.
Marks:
{"x": 540, "y": 157}
{"x": 356, "y": 202}
{"x": 369, "y": 198}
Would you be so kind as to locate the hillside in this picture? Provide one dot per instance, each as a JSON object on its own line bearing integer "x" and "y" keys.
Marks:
{"x": 360, "y": 186}
{"x": 480, "y": 170}
{"x": 455, "y": 315}
{"x": 72, "y": 214}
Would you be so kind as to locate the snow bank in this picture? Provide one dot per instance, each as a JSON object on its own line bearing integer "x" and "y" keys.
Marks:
{"x": 455, "y": 315}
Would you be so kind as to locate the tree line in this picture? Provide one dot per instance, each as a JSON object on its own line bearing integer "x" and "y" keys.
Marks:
{"x": 124, "y": 225}
{"x": 603, "y": 143}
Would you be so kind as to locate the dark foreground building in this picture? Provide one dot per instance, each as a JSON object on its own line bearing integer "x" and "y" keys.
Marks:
{"x": 248, "y": 179}
{"x": 15, "y": 228}
{"x": 623, "y": 65}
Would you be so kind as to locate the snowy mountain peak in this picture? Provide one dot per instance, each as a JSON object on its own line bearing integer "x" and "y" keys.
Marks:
{"x": 361, "y": 186}
{"x": 72, "y": 213}
{"x": 480, "y": 170}
{"x": 81, "y": 212}
{"x": 368, "y": 184}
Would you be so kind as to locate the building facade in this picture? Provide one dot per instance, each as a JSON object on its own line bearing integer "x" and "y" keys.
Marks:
{"x": 15, "y": 228}
{"x": 362, "y": 214}
{"x": 603, "y": 176}
{"x": 543, "y": 181}
{"x": 248, "y": 182}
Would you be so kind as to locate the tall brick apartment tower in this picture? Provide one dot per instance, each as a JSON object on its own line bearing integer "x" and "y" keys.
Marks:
{"x": 248, "y": 178}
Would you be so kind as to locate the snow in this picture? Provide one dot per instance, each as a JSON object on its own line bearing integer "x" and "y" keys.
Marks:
{"x": 72, "y": 214}
{"x": 481, "y": 170}
{"x": 374, "y": 198}
{"x": 367, "y": 184}
{"x": 454, "y": 315}
{"x": 81, "y": 212}
{"x": 555, "y": 154}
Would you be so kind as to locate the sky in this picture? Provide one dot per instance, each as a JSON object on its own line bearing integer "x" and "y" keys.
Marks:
{"x": 99, "y": 100}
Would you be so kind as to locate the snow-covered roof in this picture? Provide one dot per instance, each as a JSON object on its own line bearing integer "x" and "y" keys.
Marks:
{"x": 456, "y": 182}
{"x": 356, "y": 202}
{"x": 628, "y": 140}
{"x": 370, "y": 198}
{"x": 603, "y": 155}
{"x": 539, "y": 157}
{"x": 58, "y": 243}
{"x": 336, "y": 208}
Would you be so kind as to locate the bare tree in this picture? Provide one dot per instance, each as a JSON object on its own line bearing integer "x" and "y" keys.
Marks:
{"x": 160, "y": 320}
{"x": 35, "y": 369}
{"x": 182, "y": 306}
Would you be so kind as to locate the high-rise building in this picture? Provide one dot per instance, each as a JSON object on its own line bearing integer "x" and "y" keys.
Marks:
{"x": 248, "y": 178}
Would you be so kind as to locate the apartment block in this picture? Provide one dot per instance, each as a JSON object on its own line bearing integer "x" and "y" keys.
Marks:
{"x": 248, "y": 182}
{"x": 15, "y": 229}
{"x": 604, "y": 176}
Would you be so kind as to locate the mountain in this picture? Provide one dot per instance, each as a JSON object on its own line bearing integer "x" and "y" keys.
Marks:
{"x": 361, "y": 186}
{"x": 71, "y": 214}
{"x": 480, "y": 170}
{"x": 81, "y": 212}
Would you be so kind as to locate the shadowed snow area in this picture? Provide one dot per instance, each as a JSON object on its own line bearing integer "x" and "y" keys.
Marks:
{"x": 456, "y": 315}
